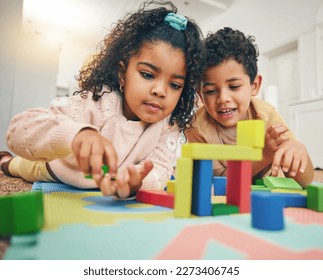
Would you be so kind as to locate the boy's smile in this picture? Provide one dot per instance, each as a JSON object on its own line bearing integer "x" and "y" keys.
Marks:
{"x": 153, "y": 82}
{"x": 226, "y": 92}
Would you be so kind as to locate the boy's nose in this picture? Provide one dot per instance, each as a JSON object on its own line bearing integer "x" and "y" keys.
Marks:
{"x": 223, "y": 96}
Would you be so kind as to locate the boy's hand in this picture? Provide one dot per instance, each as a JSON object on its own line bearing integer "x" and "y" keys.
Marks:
{"x": 127, "y": 182}
{"x": 292, "y": 157}
{"x": 275, "y": 136}
{"x": 92, "y": 151}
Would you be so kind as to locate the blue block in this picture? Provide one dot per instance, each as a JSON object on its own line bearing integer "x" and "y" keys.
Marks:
{"x": 202, "y": 187}
{"x": 267, "y": 210}
{"x": 294, "y": 200}
{"x": 220, "y": 184}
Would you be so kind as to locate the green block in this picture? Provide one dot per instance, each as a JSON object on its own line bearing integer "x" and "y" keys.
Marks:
{"x": 5, "y": 215}
{"x": 259, "y": 188}
{"x": 315, "y": 197}
{"x": 21, "y": 213}
{"x": 224, "y": 209}
{"x": 282, "y": 183}
{"x": 258, "y": 182}
{"x": 105, "y": 170}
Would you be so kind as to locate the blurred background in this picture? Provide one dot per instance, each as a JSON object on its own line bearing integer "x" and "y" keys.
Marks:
{"x": 44, "y": 43}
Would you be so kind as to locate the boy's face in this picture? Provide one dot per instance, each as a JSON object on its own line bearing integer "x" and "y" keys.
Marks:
{"x": 226, "y": 92}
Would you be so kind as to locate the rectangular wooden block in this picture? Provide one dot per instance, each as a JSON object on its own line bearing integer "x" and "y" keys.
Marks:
{"x": 160, "y": 198}
{"x": 251, "y": 133}
{"x": 216, "y": 151}
{"x": 282, "y": 183}
{"x": 315, "y": 197}
{"x": 183, "y": 188}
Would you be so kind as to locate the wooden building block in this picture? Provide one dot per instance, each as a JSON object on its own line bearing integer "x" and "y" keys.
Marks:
{"x": 202, "y": 187}
{"x": 282, "y": 183}
{"x": 21, "y": 213}
{"x": 170, "y": 186}
{"x": 251, "y": 133}
{"x": 183, "y": 187}
{"x": 294, "y": 200}
{"x": 239, "y": 175}
{"x": 202, "y": 151}
{"x": 315, "y": 197}
{"x": 224, "y": 209}
{"x": 267, "y": 211}
{"x": 220, "y": 185}
{"x": 260, "y": 188}
{"x": 160, "y": 198}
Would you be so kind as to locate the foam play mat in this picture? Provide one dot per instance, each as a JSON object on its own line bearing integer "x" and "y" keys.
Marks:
{"x": 83, "y": 224}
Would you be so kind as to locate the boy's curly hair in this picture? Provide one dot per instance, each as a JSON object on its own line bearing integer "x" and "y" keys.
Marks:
{"x": 226, "y": 44}
{"x": 125, "y": 40}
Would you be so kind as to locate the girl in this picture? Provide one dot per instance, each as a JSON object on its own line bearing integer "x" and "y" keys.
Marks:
{"x": 134, "y": 99}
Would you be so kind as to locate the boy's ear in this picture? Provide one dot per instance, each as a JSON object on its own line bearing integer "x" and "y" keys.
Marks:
{"x": 256, "y": 85}
{"x": 121, "y": 73}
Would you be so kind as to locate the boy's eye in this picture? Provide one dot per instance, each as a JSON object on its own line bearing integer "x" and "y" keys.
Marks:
{"x": 234, "y": 87}
{"x": 147, "y": 75}
{"x": 212, "y": 91}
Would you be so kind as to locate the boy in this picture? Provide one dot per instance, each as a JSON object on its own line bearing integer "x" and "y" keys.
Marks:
{"x": 229, "y": 86}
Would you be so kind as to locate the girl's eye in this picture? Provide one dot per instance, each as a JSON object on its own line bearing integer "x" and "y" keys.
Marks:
{"x": 176, "y": 86}
{"x": 147, "y": 75}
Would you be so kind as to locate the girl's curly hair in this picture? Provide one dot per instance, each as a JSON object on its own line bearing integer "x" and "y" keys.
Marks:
{"x": 125, "y": 40}
{"x": 228, "y": 44}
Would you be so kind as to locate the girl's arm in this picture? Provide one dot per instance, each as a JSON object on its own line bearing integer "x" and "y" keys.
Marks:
{"x": 46, "y": 134}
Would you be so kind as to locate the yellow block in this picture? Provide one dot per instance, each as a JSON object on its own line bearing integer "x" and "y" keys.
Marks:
{"x": 200, "y": 151}
{"x": 251, "y": 133}
{"x": 183, "y": 187}
{"x": 171, "y": 186}
{"x": 279, "y": 190}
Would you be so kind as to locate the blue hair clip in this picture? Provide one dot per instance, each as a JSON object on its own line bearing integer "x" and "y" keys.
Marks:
{"x": 176, "y": 21}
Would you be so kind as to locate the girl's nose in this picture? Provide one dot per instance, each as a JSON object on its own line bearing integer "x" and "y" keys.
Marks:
{"x": 159, "y": 89}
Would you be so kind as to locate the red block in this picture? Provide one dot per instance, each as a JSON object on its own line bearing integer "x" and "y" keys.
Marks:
{"x": 239, "y": 177}
{"x": 160, "y": 198}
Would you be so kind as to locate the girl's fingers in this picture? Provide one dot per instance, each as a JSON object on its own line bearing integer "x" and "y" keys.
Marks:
{"x": 111, "y": 159}
{"x": 123, "y": 189}
{"x": 107, "y": 186}
{"x": 148, "y": 166}
{"x": 83, "y": 158}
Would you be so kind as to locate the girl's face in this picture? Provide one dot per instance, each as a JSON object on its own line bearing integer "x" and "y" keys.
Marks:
{"x": 153, "y": 82}
{"x": 226, "y": 92}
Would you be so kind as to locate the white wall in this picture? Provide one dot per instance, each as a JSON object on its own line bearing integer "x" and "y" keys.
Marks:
{"x": 10, "y": 26}
{"x": 274, "y": 23}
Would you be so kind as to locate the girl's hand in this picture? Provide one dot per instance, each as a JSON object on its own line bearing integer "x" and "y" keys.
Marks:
{"x": 92, "y": 151}
{"x": 127, "y": 182}
{"x": 292, "y": 157}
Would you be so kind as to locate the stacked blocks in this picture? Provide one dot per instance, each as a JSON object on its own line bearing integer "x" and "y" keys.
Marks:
{"x": 267, "y": 211}
{"x": 315, "y": 197}
{"x": 250, "y": 141}
{"x": 21, "y": 213}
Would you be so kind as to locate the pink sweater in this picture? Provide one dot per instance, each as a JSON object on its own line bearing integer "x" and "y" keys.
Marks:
{"x": 47, "y": 134}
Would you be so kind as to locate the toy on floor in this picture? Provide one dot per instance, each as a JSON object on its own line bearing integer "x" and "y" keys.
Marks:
{"x": 21, "y": 213}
